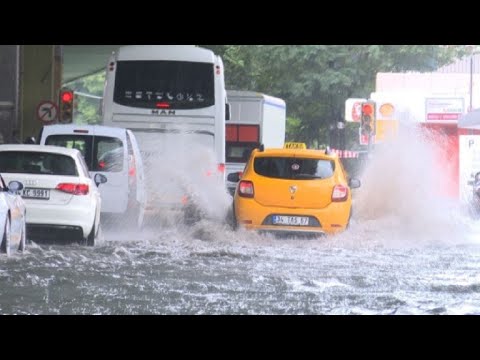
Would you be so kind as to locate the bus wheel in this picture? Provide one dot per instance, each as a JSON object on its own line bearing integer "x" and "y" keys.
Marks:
{"x": 191, "y": 215}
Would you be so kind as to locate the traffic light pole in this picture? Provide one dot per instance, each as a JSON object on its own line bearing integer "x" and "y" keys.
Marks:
{"x": 370, "y": 146}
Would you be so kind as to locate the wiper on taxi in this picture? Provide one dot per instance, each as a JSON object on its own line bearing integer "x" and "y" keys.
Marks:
{"x": 306, "y": 176}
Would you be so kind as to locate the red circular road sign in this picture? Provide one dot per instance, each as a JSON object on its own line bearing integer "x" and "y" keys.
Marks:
{"x": 356, "y": 111}
{"x": 47, "y": 112}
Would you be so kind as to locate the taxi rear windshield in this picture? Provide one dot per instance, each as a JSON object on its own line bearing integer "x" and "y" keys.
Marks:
{"x": 294, "y": 168}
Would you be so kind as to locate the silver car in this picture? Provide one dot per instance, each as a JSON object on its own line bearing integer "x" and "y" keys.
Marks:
{"x": 12, "y": 218}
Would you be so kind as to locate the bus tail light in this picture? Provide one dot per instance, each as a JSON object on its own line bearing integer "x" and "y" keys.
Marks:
{"x": 162, "y": 105}
{"x": 221, "y": 168}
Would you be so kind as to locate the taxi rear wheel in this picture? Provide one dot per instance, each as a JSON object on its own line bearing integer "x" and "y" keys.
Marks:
{"x": 349, "y": 218}
{"x": 231, "y": 218}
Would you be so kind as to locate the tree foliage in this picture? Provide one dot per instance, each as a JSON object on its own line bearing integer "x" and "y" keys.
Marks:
{"x": 314, "y": 80}
{"x": 87, "y": 108}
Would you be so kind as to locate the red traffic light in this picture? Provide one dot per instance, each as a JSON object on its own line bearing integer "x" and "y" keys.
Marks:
{"x": 67, "y": 96}
{"x": 367, "y": 109}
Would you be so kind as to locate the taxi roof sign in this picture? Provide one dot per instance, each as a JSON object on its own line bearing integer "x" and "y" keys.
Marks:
{"x": 295, "y": 145}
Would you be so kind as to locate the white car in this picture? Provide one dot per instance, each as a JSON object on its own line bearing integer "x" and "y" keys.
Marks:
{"x": 12, "y": 218}
{"x": 61, "y": 198}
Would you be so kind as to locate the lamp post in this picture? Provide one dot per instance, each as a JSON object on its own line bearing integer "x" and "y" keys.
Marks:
{"x": 471, "y": 81}
{"x": 472, "y": 50}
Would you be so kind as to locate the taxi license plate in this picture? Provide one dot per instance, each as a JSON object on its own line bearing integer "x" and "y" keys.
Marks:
{"x": 29, "y": 193}
{"x": 290, "y": 220}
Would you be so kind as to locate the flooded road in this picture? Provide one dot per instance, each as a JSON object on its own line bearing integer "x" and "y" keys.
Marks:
{"x": 407, "y": 251}
{"x": 212, "y": 270}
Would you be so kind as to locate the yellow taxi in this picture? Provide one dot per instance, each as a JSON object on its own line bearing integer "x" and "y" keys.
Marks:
{"x": 293, "y": 190}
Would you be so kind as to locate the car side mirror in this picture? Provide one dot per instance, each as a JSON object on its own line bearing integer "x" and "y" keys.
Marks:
{"x": 14, "y": 186}
{"x": 100, "y": 179}
{"x": 354, "y": 183}
{"x": 234, "y": 177}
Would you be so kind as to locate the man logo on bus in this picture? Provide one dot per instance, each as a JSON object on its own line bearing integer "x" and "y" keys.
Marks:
{"x": 163, "y": 112}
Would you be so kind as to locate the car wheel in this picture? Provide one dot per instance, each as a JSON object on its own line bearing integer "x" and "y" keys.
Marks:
{"x": 23, "y": 238}
{"x": 91, "y": 237}
{"x": 191, "y": 215}
{"x": 140, "y": 217}
{"x": 349, "y": 218}
{"x": 231, "y": 218}
{"x": 5, "y": 245}
{"x": 134, "y": 216}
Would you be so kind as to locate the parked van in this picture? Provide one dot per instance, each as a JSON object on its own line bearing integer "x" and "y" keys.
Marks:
{"x": 110, "y": 151}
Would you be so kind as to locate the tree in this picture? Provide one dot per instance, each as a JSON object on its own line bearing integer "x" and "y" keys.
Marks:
{"x": 88, "y": 89}
{"x": 315, "y": 80}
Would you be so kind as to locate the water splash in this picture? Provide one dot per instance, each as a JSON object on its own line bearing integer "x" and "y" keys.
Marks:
{"x": 403, "y": 194}
{"x": 182, "y": 168}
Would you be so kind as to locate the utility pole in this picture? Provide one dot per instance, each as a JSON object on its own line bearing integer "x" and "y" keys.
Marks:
{"x": 471, "y": 82}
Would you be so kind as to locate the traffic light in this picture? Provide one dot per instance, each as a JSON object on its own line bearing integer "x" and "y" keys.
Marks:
{"x": 367, "y": 120}
{"x": 66, "y": 106}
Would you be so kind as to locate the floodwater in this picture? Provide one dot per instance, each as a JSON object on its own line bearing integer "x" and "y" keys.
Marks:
{"x": 408, "y": 251}
{"x": 209, "y": 269}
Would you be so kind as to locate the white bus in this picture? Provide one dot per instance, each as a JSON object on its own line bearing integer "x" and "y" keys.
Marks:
{"x": 173, "y": 98}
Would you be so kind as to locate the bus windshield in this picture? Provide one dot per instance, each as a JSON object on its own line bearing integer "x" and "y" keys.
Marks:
{"x": 173, "y": 84}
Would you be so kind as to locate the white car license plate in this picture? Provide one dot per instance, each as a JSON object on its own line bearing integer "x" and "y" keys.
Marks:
{"x": 290, "y": 220}
{"x": 29, "y": 193}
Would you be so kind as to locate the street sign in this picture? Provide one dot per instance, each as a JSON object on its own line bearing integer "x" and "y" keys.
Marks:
{"x": 47, "y": 112}
{"x": 353, "y": 109}
{"x": 444, "y": 109}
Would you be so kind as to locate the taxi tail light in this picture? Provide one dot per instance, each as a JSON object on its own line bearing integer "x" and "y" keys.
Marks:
{"x": 74, "y": 189}
{"x": 340, "y": 193}
{"x": 245, "y": 189}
